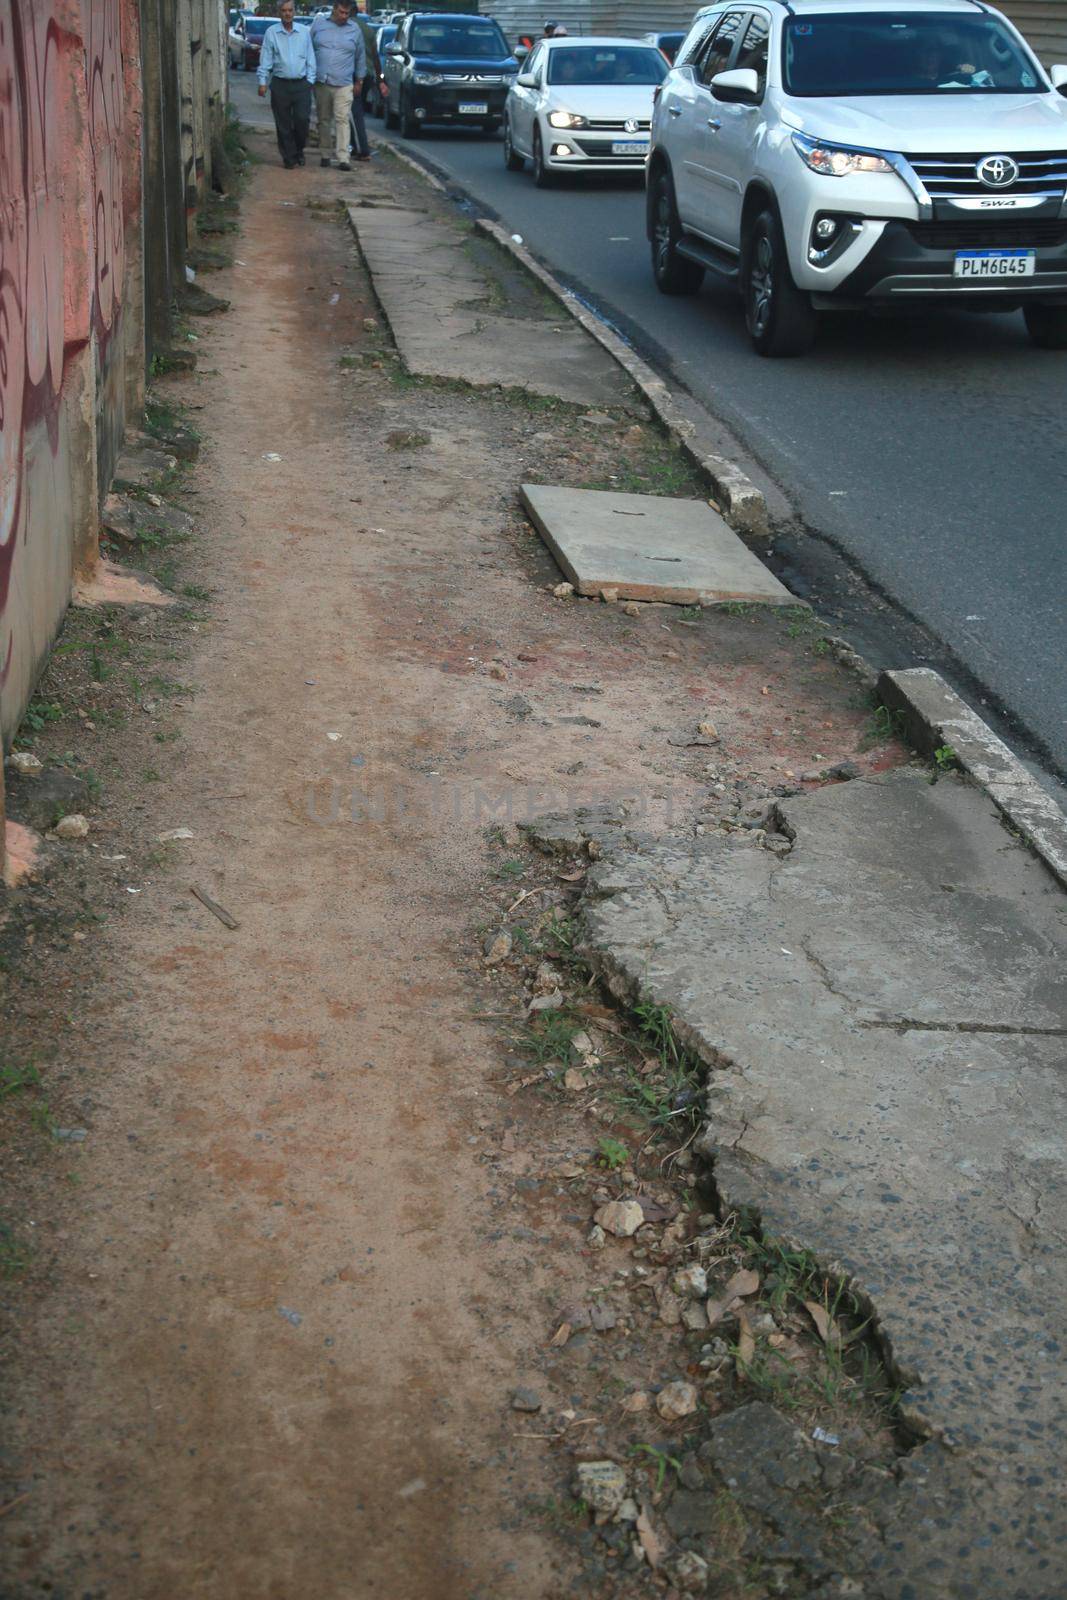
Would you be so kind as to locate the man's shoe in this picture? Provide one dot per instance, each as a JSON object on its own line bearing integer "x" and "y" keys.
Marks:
{"x": 324, "y": 161}
{"x": 363, "y": 158}
{"x": 300, "y": 161}
{"x": 288, "y": 165}
{"x": 344, "y": 166}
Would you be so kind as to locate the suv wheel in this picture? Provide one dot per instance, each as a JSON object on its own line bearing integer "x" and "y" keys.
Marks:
{"x": 542, "y": 176}
{"x": 779, "y": 316}
{"x": 672, "y": 272}
{"x": 409, "y": 124}
{"x": 512, "y": 160}
{"x": 1047, "y": 326}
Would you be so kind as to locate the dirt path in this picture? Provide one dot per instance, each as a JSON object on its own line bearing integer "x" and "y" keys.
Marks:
{"x": 287, "y": 1309}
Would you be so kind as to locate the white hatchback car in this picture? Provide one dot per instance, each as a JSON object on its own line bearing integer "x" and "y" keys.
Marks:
{"x": 582, "y": 105}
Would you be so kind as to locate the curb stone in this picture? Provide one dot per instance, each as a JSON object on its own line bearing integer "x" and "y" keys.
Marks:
{"x": 743, "y": 504}
{"x": 934, "y": 715}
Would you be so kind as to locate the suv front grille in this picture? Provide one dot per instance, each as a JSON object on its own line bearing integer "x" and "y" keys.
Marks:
{"x": 1040, "y": 172}
{"x": 990, "y": 234}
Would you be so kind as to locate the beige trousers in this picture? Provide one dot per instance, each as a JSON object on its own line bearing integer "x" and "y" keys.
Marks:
{"x": 334, "y": 105}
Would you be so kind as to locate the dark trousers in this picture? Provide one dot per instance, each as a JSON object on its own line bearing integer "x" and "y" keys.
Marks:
{"x": 359, "y": 123}
{"x": 290, "y": 100}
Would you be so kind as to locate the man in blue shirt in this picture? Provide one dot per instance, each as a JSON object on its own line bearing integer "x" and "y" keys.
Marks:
{"x": 287, "y": 65}
{"x": 341, "y": 61}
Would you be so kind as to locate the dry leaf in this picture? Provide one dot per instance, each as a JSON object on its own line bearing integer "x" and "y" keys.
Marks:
{"x": 651, "y": 1543}
{"x": 825, "y": 1325}
{"x": 746, "y": 1344}
{"x": 561, "y": 1335}
{"x": 638, "y": 1401}
{"x": 742, "y": 1283}
{"x": 571, "y": 877}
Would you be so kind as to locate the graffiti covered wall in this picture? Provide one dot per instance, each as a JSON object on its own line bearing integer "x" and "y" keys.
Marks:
{"x": 65, "y": 134}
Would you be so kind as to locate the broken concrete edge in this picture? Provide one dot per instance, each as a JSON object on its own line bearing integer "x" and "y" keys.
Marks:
{"x": 351, "y": 207}
{"x": 744, "y": 506}
{"x": 725, "y": 1168}
{"x": 934, "y": 717}
{"x": 405, "y": 160}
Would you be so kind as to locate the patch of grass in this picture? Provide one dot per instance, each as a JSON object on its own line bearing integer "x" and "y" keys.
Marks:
{"x": 612, "y": 1153}
{"x": 150, "y": 775}
{"x": 884, "y": 725}
{"x": 560, "y": 938}
{"x": 738, "y": 608}
{"x": 39, "y": 713}
{"x": 406, "y": 439}
{"x": 509, "y": 870}
{"x": 14, "y": 1255}
{"x": 563, "y": 1515}
{"x": 658, "y": 1460}
{"x": 548, "y": 1037}
{"x": 15, "y": 1077}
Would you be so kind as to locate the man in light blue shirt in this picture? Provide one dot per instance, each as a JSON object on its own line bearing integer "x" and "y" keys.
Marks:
{"x": 341, "y": 62}
{"x": 287, "y": 65}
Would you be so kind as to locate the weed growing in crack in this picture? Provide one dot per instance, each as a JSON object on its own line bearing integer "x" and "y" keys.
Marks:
{"x": 548, "y": 1038}
{"x": 612, "y": 1153}
{"x": 659, "y": 1460}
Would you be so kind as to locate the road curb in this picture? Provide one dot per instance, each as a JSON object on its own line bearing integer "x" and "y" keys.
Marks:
{"x": 742, "y": 503}
{"x": 934, "y": 716}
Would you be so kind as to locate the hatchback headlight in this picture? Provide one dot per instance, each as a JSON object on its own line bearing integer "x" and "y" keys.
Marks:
{"x": 832, "y": 162}
{"x": 427, "y": 79}
{"x": 566, "y": 119}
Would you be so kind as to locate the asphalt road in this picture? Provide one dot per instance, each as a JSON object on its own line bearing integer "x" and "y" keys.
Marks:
{"x": 930, "y": 453}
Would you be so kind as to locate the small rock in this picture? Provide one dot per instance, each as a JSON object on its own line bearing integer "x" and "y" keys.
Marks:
{"x": 676, "y": 1400}
{"x": 70, "y": 1135}
{"x": 582, "y": 1043}
{"x": 620, "y": 1217}
{"x": 602, "y": 1317}
{"x": 609, "y": 596}
{"x": 597, "y": 419}
{"x": 290, "y": 1316}
{"x": 497, "y": 947}
{"x": 574, "y": 1080}
{"x": 631, "y": 609}
{"x": 547, "y": 979}
{"x": 370, "y": 325}
{"x": 25, "y": 763}
{"x": 174, "y": 835}
{"x": 628, "y": 1511}
{"x": 596, "y": 1238}
{"x": 525, "y": 1400}
{"x": 689, "y": 1572}
{"x": 74, "y": 826}
{"x": 602, "y": 1485}
{"x": 546, "y": 1002}
{"x": 691, "y": 1281}
{"x": 637, "y": 1402}
{"x": 695, "y": 1316}
{"x": 669, "y": 1305}
{"x": 634, "y": 435}
{"x": 498, "y": 672}
{"x": 707, "y": 730}
{"x": 715, "y": 1355}
{"x": 763, "y": 1324}
{"x": 563, "y": 591}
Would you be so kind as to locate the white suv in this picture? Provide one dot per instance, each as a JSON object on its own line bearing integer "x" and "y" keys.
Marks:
{"x": 832, "y": 154}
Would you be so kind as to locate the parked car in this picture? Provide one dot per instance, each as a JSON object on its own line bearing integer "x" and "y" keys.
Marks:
{"x": 582, "y": 105}
{"x": 668, "y": 44}
{"x": 821, "y": 156}
{"x": 235, "y": 39}
{"x": 447, "y": 67}
{"x": 255, "y": 28}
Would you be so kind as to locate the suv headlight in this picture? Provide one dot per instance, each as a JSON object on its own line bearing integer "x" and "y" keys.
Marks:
{"x": 427, "y": 79}
{"x": 833, "y": 162}
{"x": 566, "y": 119}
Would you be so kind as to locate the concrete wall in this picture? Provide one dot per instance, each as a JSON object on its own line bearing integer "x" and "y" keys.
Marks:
{"x": 96, "y": 115}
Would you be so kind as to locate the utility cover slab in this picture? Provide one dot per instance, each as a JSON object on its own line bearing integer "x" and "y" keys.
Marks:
{"x": 648, "y": 547}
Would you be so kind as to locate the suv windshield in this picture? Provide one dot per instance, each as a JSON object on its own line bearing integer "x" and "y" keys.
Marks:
{"x": 480, "y": 41}
{"x": 842, "y": 54}
{"x": 591, "y": 64}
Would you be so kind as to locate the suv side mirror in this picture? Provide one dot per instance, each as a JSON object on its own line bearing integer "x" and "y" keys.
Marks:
{"x": 393, "y": 50}
{"x": 1058, "y": 75}
{"x": 739, "y": 87}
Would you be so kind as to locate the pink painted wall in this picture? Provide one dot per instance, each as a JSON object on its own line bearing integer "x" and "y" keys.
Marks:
{"x": 67, "y": 133}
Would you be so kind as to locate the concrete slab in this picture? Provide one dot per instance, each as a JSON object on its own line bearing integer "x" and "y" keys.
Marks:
{"x": 648, "y": 547}
{"x": 447, "y": 324}
{"x": 885, "y": 1011}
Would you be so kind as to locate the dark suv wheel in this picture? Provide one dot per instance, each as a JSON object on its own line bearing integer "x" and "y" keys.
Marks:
{"x": 409, "y": 123}
{"x": 1047, "y": 326}
{"x": 779, "y": 316}
{"x": 672, "y": 272}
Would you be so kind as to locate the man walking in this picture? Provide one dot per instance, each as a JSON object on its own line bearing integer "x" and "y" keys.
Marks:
{"x": 287, "y": 65}
{"x": 341, "y": 63}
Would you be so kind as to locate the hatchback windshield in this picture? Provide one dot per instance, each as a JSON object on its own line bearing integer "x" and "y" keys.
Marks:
{"x": 479, "y": 41}
{"x": 256, "y": 27}
{"x": 593, "y": 64}
{"x": 904, "y": 52}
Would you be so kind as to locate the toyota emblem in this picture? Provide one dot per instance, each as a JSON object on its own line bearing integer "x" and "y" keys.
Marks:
{"x": 997, "y": 172}
{"x": 631, "y": 125}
